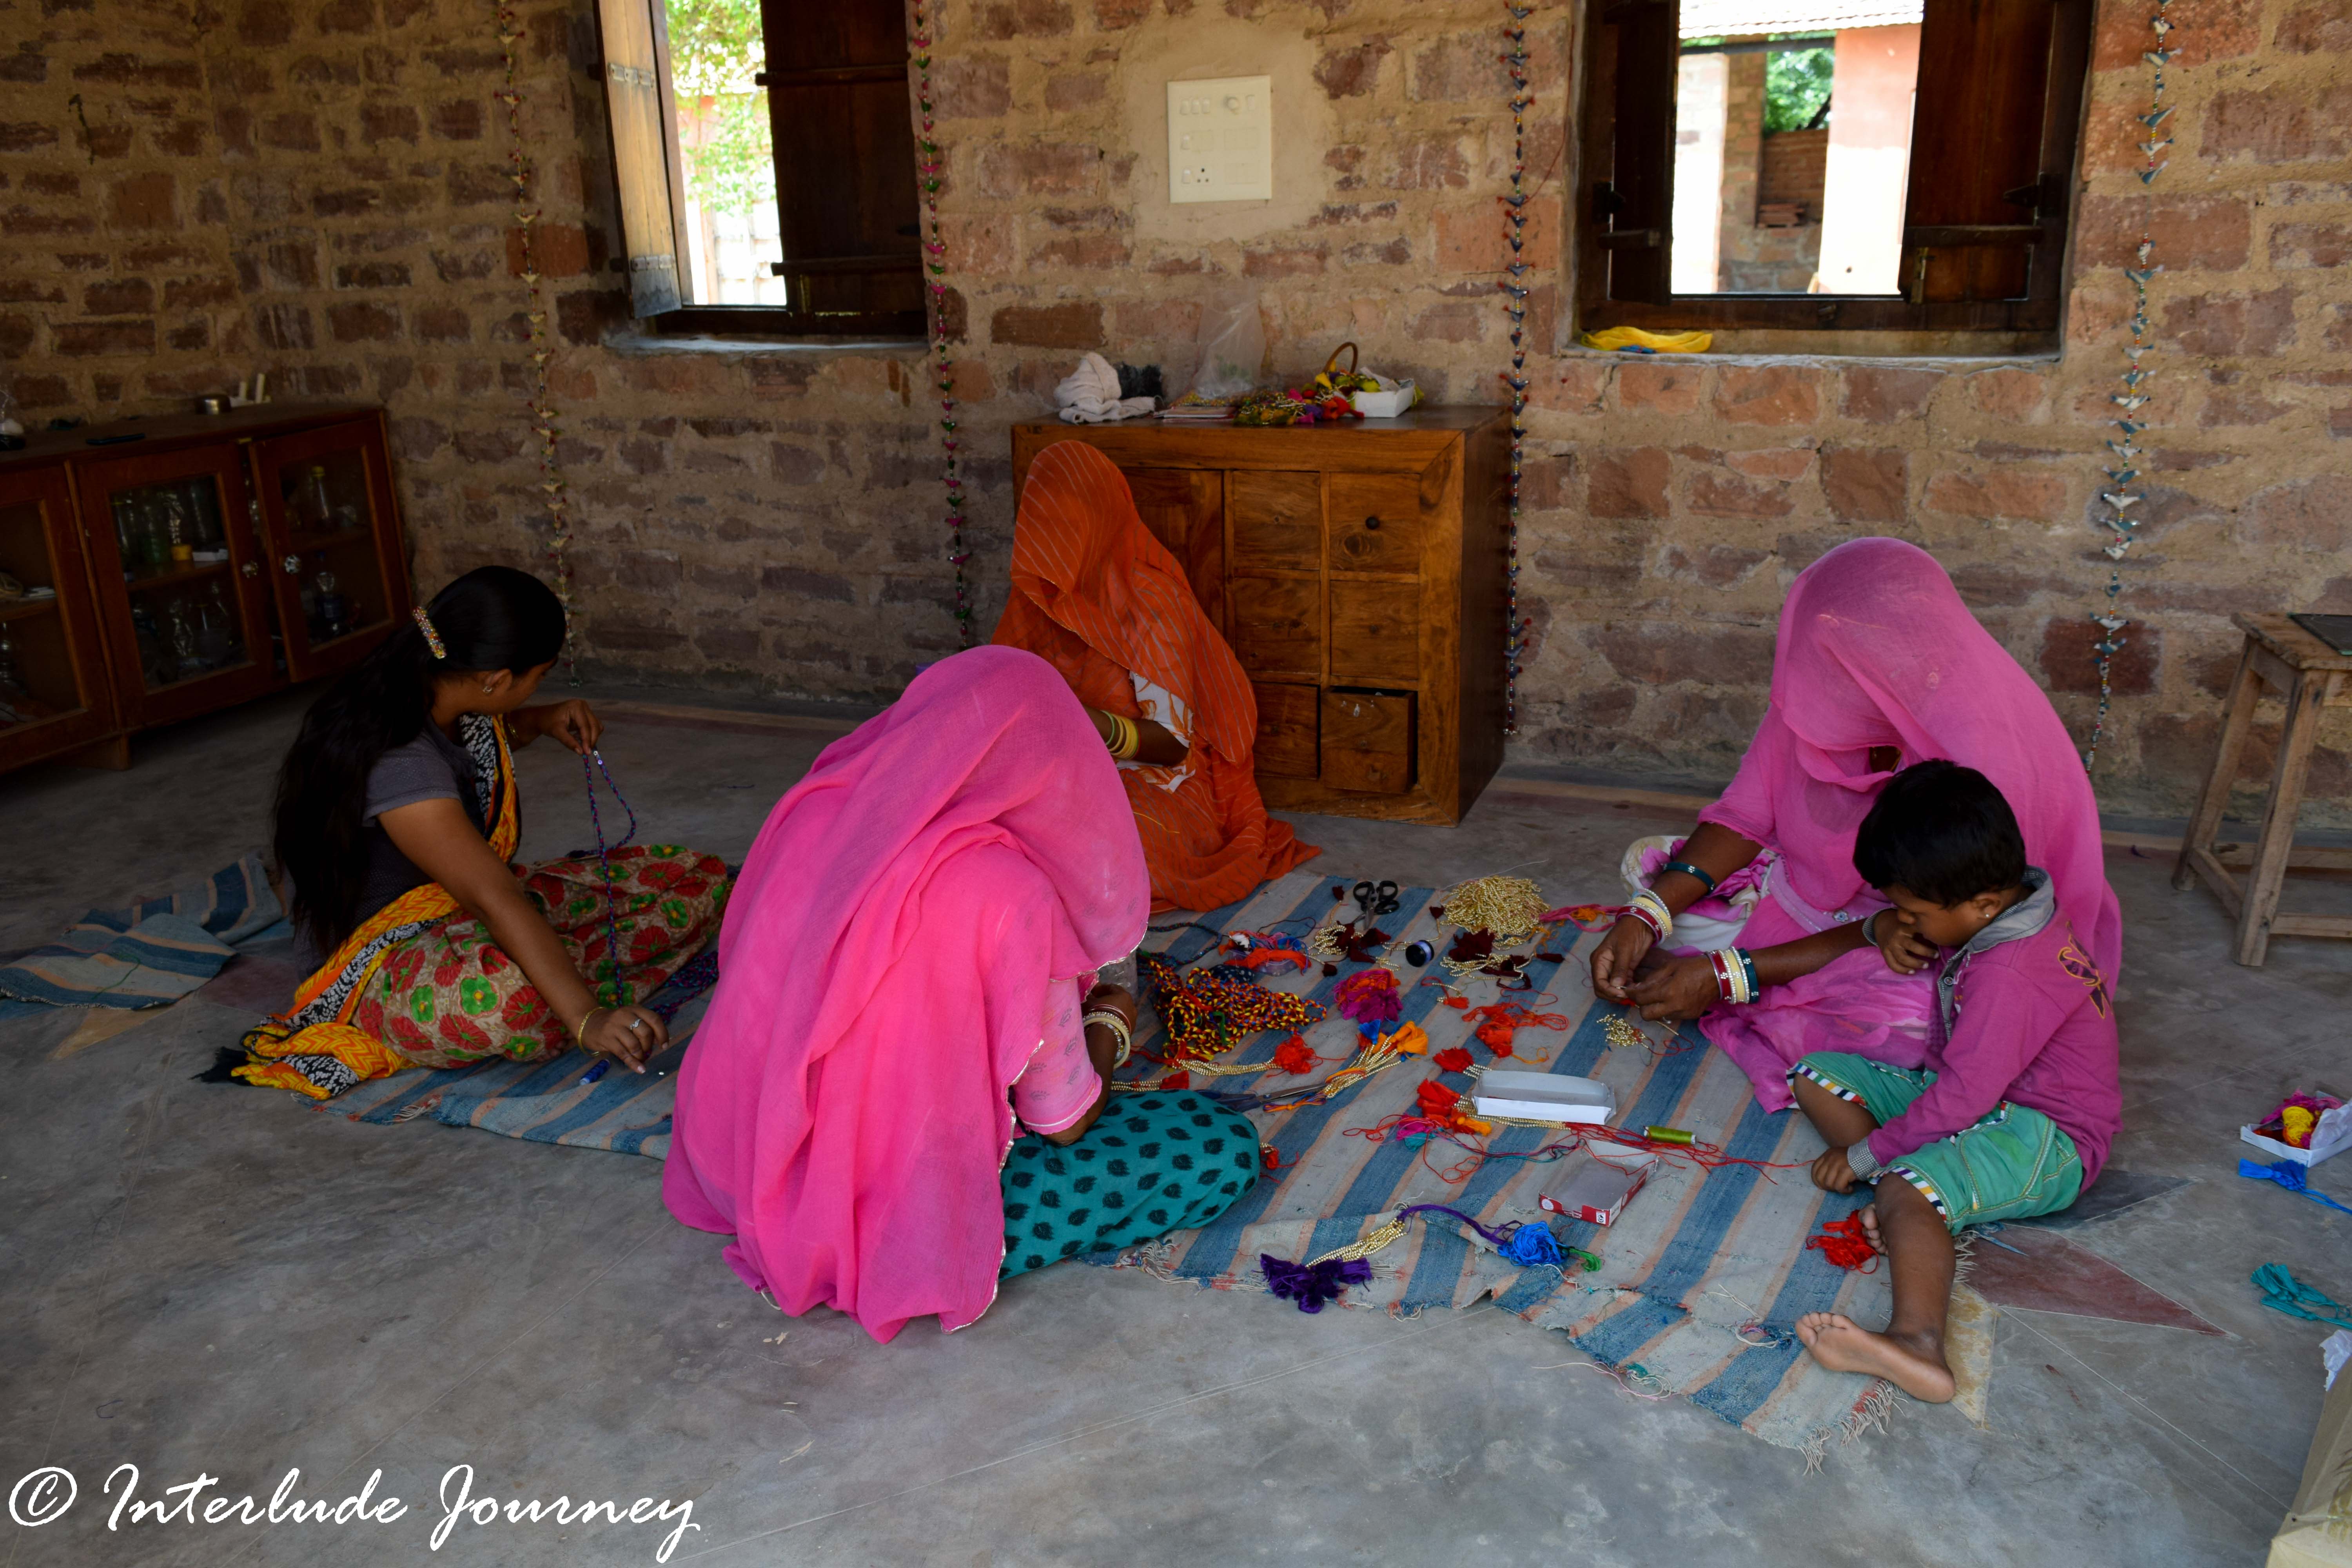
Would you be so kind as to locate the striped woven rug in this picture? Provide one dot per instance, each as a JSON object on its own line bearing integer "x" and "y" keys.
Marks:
{"x": 1697, "y": 1256}
{"x": 545, "y": 1102}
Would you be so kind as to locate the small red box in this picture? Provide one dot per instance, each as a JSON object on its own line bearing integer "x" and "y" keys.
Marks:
{"x": 1595, "y": 1187}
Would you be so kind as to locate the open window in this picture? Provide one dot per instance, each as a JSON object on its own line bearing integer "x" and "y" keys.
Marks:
{"x": 1788, "y": 163}
{"x": 765, "y": 156}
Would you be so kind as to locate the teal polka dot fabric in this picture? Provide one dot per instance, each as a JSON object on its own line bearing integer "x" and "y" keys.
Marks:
{"x": 1150, "y": 1164}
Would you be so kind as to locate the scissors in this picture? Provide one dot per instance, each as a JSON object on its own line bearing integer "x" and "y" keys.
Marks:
{"x": 1376, "y": 902}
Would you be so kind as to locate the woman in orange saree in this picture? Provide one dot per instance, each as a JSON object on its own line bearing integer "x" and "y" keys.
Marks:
{"x": 1097, "y": 596}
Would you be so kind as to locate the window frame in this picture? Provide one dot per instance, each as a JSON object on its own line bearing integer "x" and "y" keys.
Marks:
{"x": 645, "y": 179}
{"x": 1634, "y": 292}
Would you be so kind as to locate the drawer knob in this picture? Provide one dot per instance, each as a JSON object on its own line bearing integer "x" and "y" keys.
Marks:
{"x": 1372, "y": 522}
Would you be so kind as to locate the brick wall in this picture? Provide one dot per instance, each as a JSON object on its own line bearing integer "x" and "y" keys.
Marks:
{"x": 318, "y": 189}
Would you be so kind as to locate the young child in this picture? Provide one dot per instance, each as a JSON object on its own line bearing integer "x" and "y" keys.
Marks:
{"x": 2014, "y": 1112}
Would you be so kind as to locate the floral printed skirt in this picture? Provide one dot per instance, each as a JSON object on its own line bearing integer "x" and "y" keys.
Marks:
{"x": 449, "y": 995}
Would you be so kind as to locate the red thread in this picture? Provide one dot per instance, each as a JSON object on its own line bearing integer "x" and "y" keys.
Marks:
{"x": 1295, "y": 1056}
{"x": 1844, "y": 1244}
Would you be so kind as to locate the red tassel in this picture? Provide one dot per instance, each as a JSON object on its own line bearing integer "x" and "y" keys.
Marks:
{"x": 1175, "y": 1080}
{"x": 1295, "y": 1056}
{"x": 1454, "y": 1058}
{"x": 1842, "y": 1241}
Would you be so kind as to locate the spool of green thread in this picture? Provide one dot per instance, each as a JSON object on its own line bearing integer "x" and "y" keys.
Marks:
{"x": 1665, "y": 1135}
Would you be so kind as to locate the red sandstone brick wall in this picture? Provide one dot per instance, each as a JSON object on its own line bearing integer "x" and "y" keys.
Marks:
{"x": 318, "y": 189}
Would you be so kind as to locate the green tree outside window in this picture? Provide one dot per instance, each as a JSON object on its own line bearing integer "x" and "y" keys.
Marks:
{"x": 715, "y": 49}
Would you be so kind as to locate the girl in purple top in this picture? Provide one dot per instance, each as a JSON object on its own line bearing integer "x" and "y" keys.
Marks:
{"x": 2013, "y": 1112}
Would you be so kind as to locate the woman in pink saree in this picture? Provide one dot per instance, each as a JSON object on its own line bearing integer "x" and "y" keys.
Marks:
{"x": 898, "y": 1094}
{"x": 1878, "y": 665}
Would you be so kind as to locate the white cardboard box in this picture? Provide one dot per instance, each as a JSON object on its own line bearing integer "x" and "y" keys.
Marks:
{"x": 1544, "y": 1096}
{"x": 1596, "y": 1184}
{"x": 2332, "y": 1136}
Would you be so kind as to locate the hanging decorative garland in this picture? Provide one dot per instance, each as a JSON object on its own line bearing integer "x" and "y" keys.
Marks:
{"x": 1515, "y": 305}
{"x": 2120, "y": 496}
{"x": 935, "y": 261}
{"x": 521, "y": 170}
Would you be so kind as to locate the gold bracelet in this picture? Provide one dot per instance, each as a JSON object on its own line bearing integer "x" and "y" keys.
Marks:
{"x": 579, "y": 1035}
{"x": 1119, "y": 1031}
{"x": 1126, "y": 737}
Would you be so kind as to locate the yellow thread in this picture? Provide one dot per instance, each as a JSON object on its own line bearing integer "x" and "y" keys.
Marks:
{"x": 1357, "y": 1250}
{"x": 1511, "y": 907}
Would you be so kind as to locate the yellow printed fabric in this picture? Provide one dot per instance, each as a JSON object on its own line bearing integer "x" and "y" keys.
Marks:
{"x": 421, "y": 983}
{"x": 1613, "y": 339}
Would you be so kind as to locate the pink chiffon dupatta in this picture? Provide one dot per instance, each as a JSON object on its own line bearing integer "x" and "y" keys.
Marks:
{"x": 1875, "y": 649}
{"x": 883, "y": 970}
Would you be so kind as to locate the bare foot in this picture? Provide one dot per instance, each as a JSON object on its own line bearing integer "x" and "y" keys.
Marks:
{"x": 1868, "y": 1215}
{"x": 1840, "y": 1343}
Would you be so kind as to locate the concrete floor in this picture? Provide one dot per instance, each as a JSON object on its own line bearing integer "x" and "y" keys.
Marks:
{"x": 199, "y": 1279}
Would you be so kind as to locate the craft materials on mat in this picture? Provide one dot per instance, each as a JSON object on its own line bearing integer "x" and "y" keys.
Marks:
{"x": 151, "y": 953}
{"x": 1205, "y": 1014}
{"x": 545, "y": 1102}
{"x": 2282, "y": 1292}
{"x": 1732, "y": 1210}
{"x": 1596, "y": 1187}
{"x": 1511, "y": 907}
{"x": 1843, "y": 1243}
{"x": 2288, "y": 1174}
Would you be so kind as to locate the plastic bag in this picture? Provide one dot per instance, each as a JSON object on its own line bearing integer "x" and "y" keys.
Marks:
{"x": 1232, "y": 347}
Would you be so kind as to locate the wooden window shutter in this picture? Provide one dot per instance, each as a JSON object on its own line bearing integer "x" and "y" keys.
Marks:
{"x": 1992, "y": 155}
{"x": 640, "y": 108}
{"x": 1630, "y": 151}
{"x": 841, "y": 112}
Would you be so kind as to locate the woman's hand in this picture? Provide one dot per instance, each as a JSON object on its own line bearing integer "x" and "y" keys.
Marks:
{"x": 1113, "y": 998}
{"x": 1900, "y": 943}
{"x": 631, "y": 1035}
{"x": 1679, "y": 988}
{"x": 1619, "y": 954}
{"x": 572, "y": 722}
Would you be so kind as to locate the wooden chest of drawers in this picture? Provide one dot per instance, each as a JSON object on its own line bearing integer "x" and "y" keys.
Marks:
{"x": 1356, "y": 570}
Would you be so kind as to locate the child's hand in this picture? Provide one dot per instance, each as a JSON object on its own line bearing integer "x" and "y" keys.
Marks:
{"x": 1832, "y": 1172}
{"x": 1900, "y": 943}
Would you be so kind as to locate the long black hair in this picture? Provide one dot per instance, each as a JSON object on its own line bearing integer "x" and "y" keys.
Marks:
{"x": 492, "y": 618}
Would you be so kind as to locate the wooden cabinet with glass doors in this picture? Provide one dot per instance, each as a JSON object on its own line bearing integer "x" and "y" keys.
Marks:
{"x": 190, "y": 562}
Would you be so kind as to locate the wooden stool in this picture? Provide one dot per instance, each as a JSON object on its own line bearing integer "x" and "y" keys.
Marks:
{"x": 2310, "y": 675}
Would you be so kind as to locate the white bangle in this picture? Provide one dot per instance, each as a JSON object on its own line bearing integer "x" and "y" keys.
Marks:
{"x": 1662, "y": 918}
{"x": 1119, "y": 1031}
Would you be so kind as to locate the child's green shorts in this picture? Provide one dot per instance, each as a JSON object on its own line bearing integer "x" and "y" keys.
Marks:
{"x": 2013, "y": 1164}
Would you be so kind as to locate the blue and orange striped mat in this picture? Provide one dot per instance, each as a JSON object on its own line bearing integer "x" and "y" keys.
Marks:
{"x": 1701, "y": 1281}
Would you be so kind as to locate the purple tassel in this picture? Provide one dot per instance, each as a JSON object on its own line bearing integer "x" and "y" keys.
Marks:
{"x": 1313, "y": 1284}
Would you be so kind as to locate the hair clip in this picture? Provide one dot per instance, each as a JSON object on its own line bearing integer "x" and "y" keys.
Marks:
{"x": 432, "y": 637}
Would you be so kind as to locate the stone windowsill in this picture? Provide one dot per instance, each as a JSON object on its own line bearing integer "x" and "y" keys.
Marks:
{"x": 649, "y": 346}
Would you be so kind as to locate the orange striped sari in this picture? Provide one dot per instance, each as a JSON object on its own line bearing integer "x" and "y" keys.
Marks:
{"x": 1097, "y": 596}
